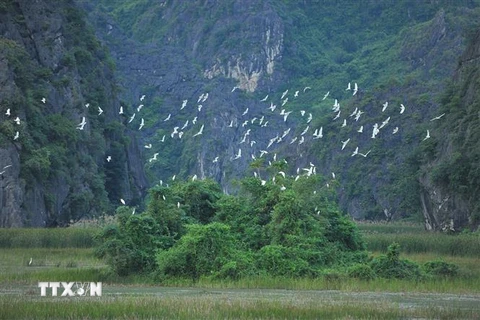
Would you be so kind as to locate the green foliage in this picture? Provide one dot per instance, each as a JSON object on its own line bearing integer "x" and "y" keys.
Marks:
{"x": 197, "y": 231}
{"x": 47, "y": 238}
{"x": 198, "y": 198}
{"x": 130, "y": 245}
{"x": 361, "y": 271}
{"x": 441, "y": 268}
{"x": 38, "y": 164}
{"x": 205, "y": 250}
{"x": 278, "y": 260}
{"x": 390, "y": 266}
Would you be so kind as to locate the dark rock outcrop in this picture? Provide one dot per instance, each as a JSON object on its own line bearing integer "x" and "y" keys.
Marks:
{"x": 451, "y": 181}
{"x": 51, "y": 66}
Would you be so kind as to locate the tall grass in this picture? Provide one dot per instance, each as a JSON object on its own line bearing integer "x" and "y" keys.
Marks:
{"x": 426, "y": 242}
{"x": 48, "y": 238}
{"x": 413, "y": 238}
{"x": 214, "y": 306}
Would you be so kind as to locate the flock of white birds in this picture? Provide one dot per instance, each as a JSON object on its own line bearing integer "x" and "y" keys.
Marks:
{"x": 246, "y": 123}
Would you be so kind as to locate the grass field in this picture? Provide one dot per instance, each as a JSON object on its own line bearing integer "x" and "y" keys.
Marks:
{"x": 67, "y": 255}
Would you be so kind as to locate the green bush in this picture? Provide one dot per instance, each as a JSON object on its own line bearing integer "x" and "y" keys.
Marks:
{"x": 205, "y": 250}
{"x": 361, "y": 271}
{"x": 441, "y": 268}
{"x": 390, "y": 266}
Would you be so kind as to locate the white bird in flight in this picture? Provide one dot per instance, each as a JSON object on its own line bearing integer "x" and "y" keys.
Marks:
{"x": 100, "y": 111}
{"x": 238, "y": 155}
{"x": 318, "y": 133}
{"x": 360, "y": 130}
{"x": 168, "y": 117}
{"x": 81, "y": 124}
{"x": 375, "y": 130}
{"x": 17, "y": 120}
{"x": 344, "y": 143}
{"x": 264, "y": 99}
{"x": 338, "y": 115}
{"x": 359, "y": 113}
{"x": 153, "y": 158}
{"x": 175, "y": 131}
{"x": 310, "y": 117}
{"x": 131, "y": 118}
{"x": 109, "y": 158}
{"x": 355, "y": 89}
{"x": 8, "y": 112}
{"x": 148, "y": 146}
{"x": 427, "y": 136}
{"x": 199, "y": 132}
{"x": 326, "y": 95}
{"x": 284, "y": 94}
{"x": 305, "y": 131}
{"x": 285, "y": 116}
{"x": 364, "y": 155}
{"x": 402, "y": 108}
{"x": 354, "y": 112}
{"x": 385, "y": 106}
{"x": 44, "y": 100}
{"x": 121, "y": 110}
{"x": 184, "y": 104}
{"x": 437, "y": 117}
{"x": 384, "y": 123}
{"x": 355, "y": 152}
{"x": 17, "y": 135}
{"x": 142, "y": 123}
{"x": 142, "y": 97}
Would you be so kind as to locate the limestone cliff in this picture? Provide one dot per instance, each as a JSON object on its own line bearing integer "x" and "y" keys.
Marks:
{"x": 51, "y": 69}
{"x": 450, "y": 181}
{"x": 240, "y": 52}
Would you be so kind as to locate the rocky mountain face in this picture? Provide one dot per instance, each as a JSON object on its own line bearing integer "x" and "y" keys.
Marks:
{"x": 451, "y": 181}
{"x": 240, "y": 52}
{"x": 234, "y": 87}
{"x": 51, "y": 69}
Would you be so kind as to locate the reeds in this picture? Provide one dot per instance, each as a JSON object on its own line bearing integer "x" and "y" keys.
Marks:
{"x": 48, "y": 238}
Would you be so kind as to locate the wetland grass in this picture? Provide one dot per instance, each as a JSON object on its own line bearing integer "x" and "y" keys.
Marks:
{"x": 216, "y": 306}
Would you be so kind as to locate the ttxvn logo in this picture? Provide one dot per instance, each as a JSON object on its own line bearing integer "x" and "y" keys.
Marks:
{"x": 70, "y": 289}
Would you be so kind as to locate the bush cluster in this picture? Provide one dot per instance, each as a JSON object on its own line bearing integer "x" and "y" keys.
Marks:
{"x": 192, "y": 230}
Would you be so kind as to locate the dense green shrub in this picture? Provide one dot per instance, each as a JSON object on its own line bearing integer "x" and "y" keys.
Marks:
{"x": 192, "y": 230}
{"x": 441, "y": 268}
{"x": 361, "y": 271}
{"x": 390, "y": 266}
{"x": 205, "y": 250}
